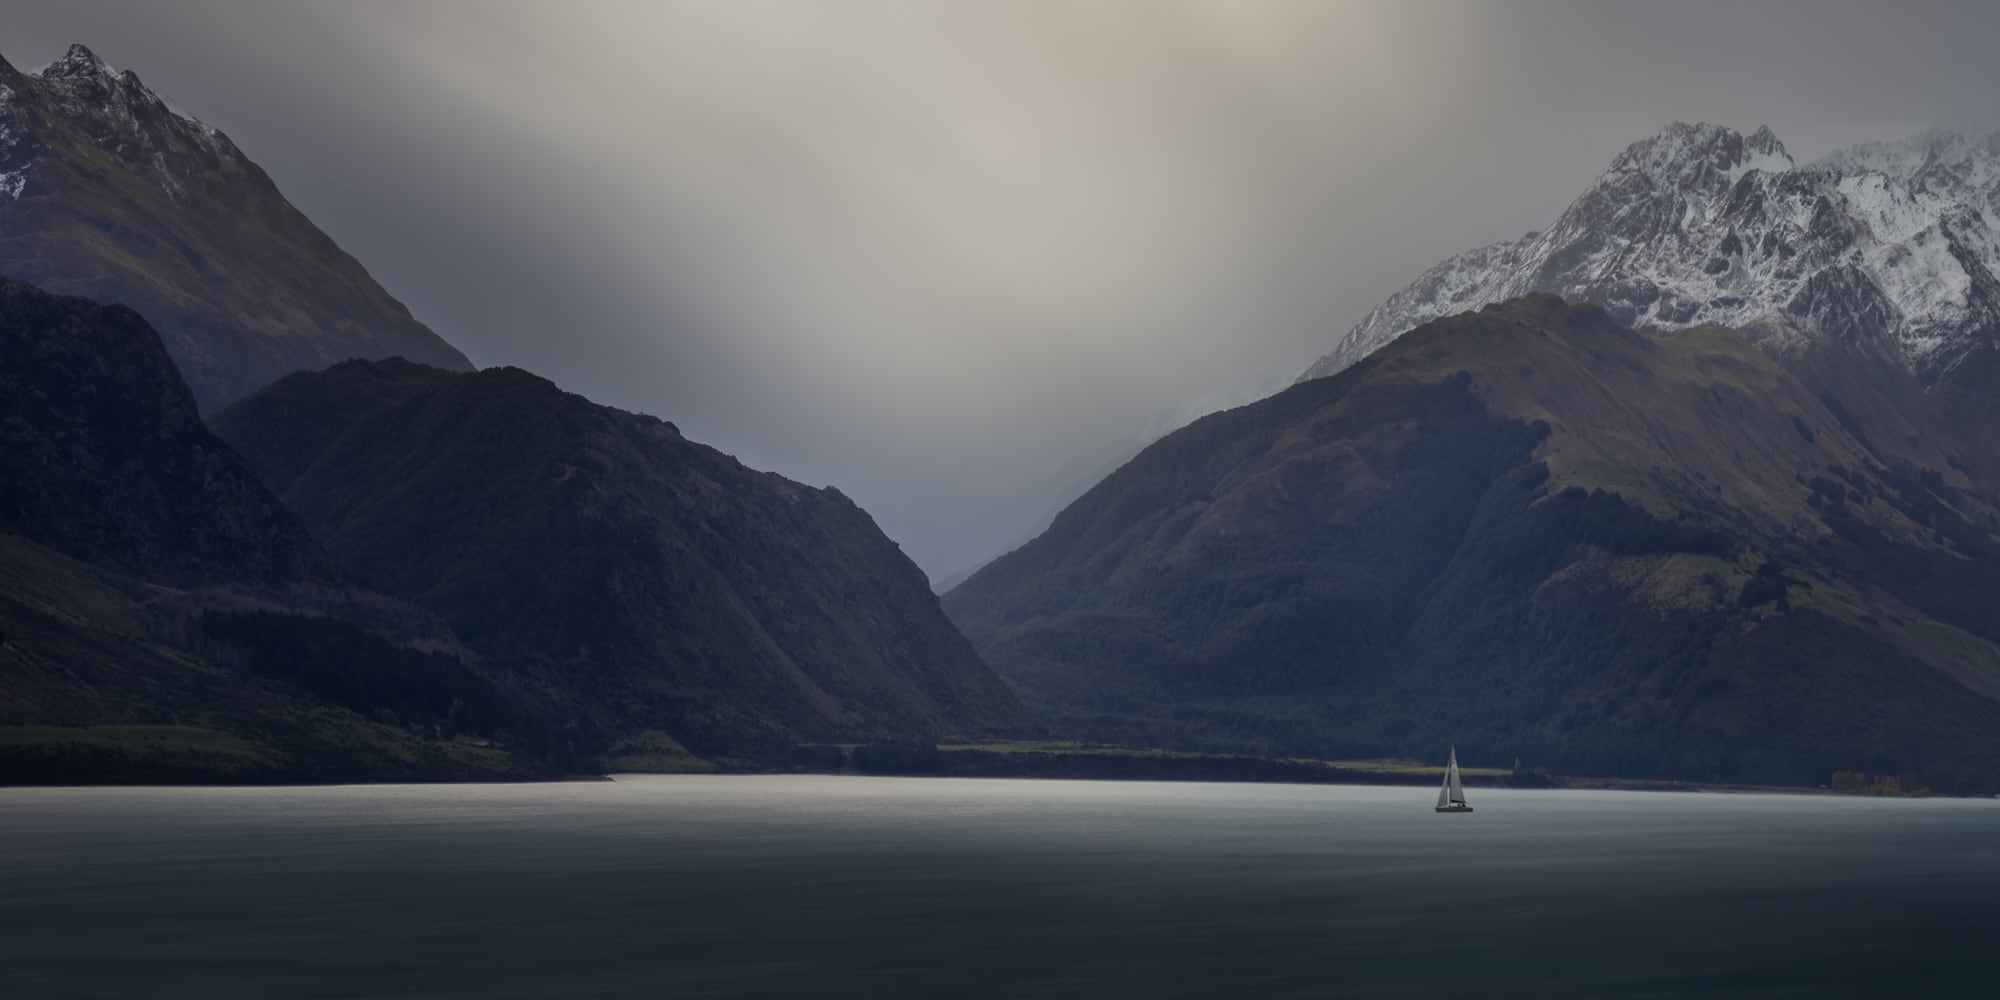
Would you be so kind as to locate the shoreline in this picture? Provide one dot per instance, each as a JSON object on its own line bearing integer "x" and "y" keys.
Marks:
{"x": 1035, "y": 760}
{"x": 1098, "y": 762}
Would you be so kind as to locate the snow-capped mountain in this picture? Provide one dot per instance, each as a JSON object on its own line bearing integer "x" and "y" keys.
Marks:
{"x": 109, "y": 193}
{"x": 133, "y": 124}
{"x": 1888, "y": 248}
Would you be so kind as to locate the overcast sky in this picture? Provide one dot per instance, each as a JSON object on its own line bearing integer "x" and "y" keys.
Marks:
{"x": 953, "y": 258}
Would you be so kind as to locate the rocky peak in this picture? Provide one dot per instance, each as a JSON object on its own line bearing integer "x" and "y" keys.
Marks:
{"x": 78, "y": 62}
{"x": 124, "y": 117}
{"x": 1764, "y": 142}
{"x": 1658, "y": 185}
{"x": 1938, "y": 165}
{"x": 108, "y": 192}
{"x": 1894, "y": 246}
{"x": 1696, "y": 158}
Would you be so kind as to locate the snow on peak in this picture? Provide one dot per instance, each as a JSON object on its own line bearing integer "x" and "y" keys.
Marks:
{"x": 13, "y": 172}
{"x": 1690, "y": 157}
{"x": 77, "y": 62}
{"x": 1763, "y": 151}
{"x": 1891, "y": 247}
{"x": 1764, "y": 142}
{"x": 117, "y": 112}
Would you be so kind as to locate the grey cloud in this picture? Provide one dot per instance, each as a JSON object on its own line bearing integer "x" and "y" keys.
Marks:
{"x": 951, "y": 256}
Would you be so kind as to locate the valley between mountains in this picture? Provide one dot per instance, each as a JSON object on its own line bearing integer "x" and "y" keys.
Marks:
{"x": 1702, "y": 483}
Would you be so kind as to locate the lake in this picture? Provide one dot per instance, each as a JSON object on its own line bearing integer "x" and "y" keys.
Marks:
{"x": 807, "y": 886}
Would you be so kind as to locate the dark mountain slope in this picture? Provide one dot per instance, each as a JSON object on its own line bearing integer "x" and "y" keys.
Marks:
{"x": 90, "y": 694}
{"x": 103, "y": 457}
{"x": 163, "y": 617}
{"x": 654, "y": 580}
{"x": 108, "y": 193}
{"x": 1537, "y": 533}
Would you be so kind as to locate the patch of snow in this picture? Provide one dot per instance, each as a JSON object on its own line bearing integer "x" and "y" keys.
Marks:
{"x": 1770, "y": 163}
{"x": 1701, "y": 225}
{"x": 127, "y": 119}
{"x": 77, "y": 62}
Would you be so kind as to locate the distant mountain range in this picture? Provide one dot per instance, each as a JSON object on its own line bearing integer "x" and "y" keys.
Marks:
{"x": 1889, "y": 248}
{"x": 108, "y": 193}
{"x": 1610, "y": 537}
{"x": 1536, "y": 533}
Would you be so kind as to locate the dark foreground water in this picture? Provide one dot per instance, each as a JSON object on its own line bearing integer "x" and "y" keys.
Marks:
{"x": 886, "y": 887}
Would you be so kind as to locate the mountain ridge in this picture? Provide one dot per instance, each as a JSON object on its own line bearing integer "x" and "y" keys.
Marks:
{"x": 1536, "y": 533}
{"x": 163, "y": 617}
{"x": 649, "y": 580}
{"x": 1888, "y": 249}
{"x": 107, "y": 192}
{"x": 105, "y": 458}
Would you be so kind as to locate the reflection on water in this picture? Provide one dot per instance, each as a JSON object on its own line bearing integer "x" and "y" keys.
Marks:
{"x": 883, "y": 887}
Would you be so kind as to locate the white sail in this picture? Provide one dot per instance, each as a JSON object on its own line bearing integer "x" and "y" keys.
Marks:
{"x": 1451, "y": 794}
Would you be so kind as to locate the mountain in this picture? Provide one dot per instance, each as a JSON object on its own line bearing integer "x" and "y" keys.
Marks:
{"x": 652, "y": 582}
{"x": 1890, "y": 249}
{"x": 1538, "y": 534}
{"x": 163, "y": 617}
{"x": 107, "y": 192}
{"x": 103, "y": 457}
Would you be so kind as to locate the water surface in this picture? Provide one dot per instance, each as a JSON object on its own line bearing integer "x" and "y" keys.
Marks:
{"x": 705, "y": 886}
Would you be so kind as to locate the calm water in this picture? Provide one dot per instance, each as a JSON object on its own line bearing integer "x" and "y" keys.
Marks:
{"x": 885, "y": 887}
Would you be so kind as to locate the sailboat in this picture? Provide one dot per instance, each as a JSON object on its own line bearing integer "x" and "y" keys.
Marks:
{"x": 1451, "y": 795}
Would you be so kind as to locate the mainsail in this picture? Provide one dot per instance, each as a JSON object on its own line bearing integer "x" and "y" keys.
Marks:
{"x": 1451, "y": 794}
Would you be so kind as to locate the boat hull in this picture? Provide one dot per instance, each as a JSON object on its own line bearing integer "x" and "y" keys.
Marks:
{"x": 1454, "y": 809}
